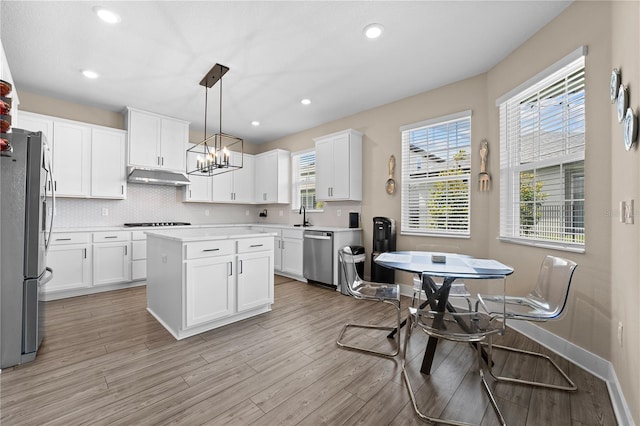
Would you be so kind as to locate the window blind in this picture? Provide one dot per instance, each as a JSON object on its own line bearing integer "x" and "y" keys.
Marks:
{"x": 542, "y": 145}
{"x": 304, "y": 180}
{"x": 436, "y": 168}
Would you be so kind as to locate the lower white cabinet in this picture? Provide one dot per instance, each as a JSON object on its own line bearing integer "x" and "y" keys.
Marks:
{"x": 112, "y": 263}
{"x": 71, "y": 265}
{"x": 253, "y": 289}
{"x": 209, "y": 288}
{"x": 292, "y": 252}
{"x": 88, "y": 262}
{"x": 195, "y": 286}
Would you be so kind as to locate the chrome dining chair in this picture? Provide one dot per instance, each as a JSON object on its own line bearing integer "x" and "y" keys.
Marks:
{"x": 547, "y": 301}
{"x": 370, "y": 291}
{"x": 464, "y": 326}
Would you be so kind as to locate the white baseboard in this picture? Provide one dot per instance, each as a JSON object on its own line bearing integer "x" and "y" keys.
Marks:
{"x": 592, "y": 363}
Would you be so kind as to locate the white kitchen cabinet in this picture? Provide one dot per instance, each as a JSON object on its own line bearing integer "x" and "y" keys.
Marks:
{"x": 108, "y": 174}
{"x": 199, "y": 190}
{"x": 273, "y": 177}
{"x": 71, "y": 159}
{"x": 209, "y": 289}
{"x": 235, "y": 186}
{"x": 255, "y": 279}
{"x": 111, "y": 257}
{"x": 339, "y": 166}
{"x": 88, "y": 160}
{"x": 138, "y": 255}
{"x": 292, "y": 246}
{"x": 70, "y": 258}
{"x": 36, "y": 123}
{"x": 197, "y": 283}
{"x": 156, "y": 141}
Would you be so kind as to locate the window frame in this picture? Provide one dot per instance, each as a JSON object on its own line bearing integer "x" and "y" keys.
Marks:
{"x": 296, "y": 182}
{"x": 510, "y": 227}
{"x": 407, "y": 180}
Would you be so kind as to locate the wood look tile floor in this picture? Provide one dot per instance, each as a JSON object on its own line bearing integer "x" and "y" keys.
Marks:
{"x": 106, "y": 361}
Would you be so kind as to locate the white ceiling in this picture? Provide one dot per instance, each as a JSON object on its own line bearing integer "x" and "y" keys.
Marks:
{"x": 278, "y": 53}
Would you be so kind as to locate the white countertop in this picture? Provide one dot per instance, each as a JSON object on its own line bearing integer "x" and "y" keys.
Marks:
{"x": 187, "y": 234}
{"x": 204, "y": 226}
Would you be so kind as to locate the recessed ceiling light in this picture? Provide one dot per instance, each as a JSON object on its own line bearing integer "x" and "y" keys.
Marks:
{"x": 305, "y": 101}
{"x": 373, "y": 31}
{"x": 90, "y": 74}
{"x": 255, "y": 123}
{"x": 106, "y": 15}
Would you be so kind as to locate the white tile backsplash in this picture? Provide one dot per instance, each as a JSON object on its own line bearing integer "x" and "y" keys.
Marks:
{"x": 147, "y": 203}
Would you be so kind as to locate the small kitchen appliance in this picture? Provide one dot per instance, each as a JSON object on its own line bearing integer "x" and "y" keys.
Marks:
{"x": 384, "y": 239}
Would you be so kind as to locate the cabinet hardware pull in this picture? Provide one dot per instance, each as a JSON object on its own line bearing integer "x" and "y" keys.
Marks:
{"x": 85, "y": 253}
{"x": 55, "y": 185}
{"x": 214, "y": 249}
{"x": 122, "y": 189}
{"x": 63, "y": 239}
{"x": 158, "y": 163}
{"x": 189, "y": 194}
{"x": 111, "y": 236}
{"x": 240, "y": 272}
{"x": 255, "y": 245}
{"x": 125, "y": 250}
{"x": 230, "y": 268}
{"x": 162, "y": 164}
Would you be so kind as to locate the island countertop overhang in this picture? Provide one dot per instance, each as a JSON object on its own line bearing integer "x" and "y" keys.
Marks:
{"x": 186, "y": 235}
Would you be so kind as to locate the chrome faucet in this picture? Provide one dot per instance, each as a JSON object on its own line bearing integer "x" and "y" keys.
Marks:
{"x": 303, "y": 212}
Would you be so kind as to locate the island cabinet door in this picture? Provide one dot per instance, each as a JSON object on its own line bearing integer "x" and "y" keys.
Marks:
{"x": 209, "y": 289}
{"x": 255, "y": 280}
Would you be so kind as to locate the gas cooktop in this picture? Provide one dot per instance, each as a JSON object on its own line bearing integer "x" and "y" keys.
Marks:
{"x": 132, "y": 225}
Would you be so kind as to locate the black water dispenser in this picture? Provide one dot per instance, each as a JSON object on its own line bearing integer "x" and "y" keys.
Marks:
{"x": 384, "y": 239}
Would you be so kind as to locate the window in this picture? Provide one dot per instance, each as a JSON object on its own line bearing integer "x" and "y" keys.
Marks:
{"x": 304, "y": 181}
{"x": 542, "y": 141}
{"x": 436, "y": 170}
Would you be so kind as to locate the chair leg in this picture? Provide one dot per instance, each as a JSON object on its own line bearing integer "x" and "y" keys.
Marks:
{"x": 405, "y": 376}
{"x": 396, "y": 336}
{"x": 484, "y": 381}
{"x": 571, "y": 385}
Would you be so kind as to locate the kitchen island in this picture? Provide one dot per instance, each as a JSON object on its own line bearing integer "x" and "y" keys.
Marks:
{"x": 200, "y": 279}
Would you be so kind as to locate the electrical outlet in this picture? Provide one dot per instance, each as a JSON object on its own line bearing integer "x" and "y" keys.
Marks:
{"x": 338, "y": 212}
{"x": 105, "y": 211}
{"x": 620, "y": 333}
{"x": 164, "y": 258}
{"x": 626, "y": 212}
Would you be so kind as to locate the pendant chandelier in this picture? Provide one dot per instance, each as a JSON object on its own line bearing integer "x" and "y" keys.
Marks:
{"x": 221, "y": 152}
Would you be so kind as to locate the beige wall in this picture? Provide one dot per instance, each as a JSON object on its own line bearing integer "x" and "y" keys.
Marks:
{"x": 625, "y": 185}
{"x": 605, "y": 287}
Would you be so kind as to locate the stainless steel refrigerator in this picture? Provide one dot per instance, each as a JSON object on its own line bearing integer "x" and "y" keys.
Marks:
{"x": 25, "y": 190}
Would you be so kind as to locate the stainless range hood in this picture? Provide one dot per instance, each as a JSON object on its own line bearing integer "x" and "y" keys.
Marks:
{"x": 157, "y": 177}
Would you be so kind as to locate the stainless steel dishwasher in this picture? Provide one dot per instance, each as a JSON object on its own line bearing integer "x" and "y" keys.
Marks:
{"x": 317, "y": 263}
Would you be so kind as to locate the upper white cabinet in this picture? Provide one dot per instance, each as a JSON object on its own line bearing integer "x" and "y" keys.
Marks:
{"x": 273, "y": 177}
{"x": 108, "y": 173}
{"x": 88, "y": 160}
{"x": 156, "y": 141}
{"x": 236, "y": 186}
{"x": 339, "y": 166}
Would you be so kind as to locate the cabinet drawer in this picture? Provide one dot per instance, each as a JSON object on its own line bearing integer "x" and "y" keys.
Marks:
{"x": 295, "y": 234}
{"x": 138, "y": 250}
{"x": 110, "y": 237}
{"x": 200, "y": 249}
{"x": 70, "y": 238}
{"x": 248, "y": 245}
{"x": 138, "y": 235}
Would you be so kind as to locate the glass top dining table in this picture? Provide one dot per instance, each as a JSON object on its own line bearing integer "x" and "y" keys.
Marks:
{"x": 449, "y": 267}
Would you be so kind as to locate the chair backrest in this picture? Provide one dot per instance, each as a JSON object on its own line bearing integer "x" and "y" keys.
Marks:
{"x": 552, "y": 288}
{"x": 349, "y": 271}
